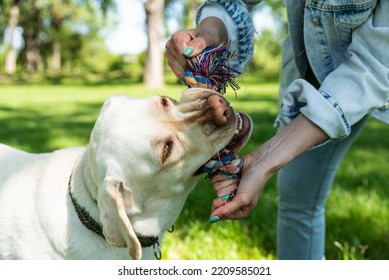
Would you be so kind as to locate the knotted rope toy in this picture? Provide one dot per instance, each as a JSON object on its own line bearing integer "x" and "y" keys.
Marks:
{"x": 226, "y": 163}
{"x": 210, "y": 70}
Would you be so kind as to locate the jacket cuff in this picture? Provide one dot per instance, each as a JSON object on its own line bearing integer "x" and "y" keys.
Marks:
{"x": 242, "y": 29}
{"x": 319, "y": 107}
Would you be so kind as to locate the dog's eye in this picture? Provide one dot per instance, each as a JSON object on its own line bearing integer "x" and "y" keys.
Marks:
{"x": 164, "y": 101}
{"x": 166, "y": 151}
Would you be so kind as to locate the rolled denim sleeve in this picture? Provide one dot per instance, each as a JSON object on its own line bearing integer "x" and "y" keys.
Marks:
{"x": 357, "y": 87}
{"x": 360, "y": 84}
{"x": 239, "y": 25}
{"x": 321, "y": 109}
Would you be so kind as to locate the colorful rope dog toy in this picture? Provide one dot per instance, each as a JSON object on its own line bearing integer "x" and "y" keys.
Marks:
{"x": 227, "y": 163}
{"x": 210, "y": 70}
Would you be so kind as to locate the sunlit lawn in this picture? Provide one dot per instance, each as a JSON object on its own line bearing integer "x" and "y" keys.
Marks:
{"x": 42, "y": 117}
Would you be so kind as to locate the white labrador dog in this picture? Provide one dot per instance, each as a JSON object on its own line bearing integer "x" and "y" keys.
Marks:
{"x": 115, "y": 198}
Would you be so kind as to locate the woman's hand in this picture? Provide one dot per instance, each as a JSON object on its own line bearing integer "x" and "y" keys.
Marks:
{"x": 249, "y": 188}
{"x": 297, "y": 137}
{"x": 190, "y": 43}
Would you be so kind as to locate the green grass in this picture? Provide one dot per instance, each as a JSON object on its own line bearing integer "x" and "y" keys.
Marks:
{"x": 45, "y": 117}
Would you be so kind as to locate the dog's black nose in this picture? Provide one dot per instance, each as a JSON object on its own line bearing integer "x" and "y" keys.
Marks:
{"x": 220, "y": 108}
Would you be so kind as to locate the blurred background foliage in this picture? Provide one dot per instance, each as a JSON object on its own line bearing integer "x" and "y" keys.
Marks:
{"x": 65, "y": 40}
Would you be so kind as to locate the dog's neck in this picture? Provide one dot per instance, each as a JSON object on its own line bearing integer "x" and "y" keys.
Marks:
{"x": 83, "y": 194}
{"x": 83, "y": 188}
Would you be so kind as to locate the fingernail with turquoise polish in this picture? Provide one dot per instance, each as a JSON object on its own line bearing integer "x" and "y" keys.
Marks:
{"x": 224, "y": 197}
{"x": 188, "y": 51}
{"x": 214, "y": 219}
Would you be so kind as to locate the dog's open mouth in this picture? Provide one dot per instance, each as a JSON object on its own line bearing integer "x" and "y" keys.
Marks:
{"x": 242, "y": 134}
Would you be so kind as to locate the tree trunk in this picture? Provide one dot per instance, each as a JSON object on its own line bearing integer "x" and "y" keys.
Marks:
{"x": 32, "y": 53}
{"x": 11, "y": 55}
{"x": 153, "y": 72}
{"x": 31, "y": 30}
{"x": 57, "y": 57}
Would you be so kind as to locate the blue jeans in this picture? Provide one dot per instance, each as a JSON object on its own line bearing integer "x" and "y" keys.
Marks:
{"x": 303, "y": 186}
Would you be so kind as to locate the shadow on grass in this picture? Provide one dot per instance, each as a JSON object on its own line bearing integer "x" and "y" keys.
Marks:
{"x": 35, "y": 130}
{"x": 359, "y": 204}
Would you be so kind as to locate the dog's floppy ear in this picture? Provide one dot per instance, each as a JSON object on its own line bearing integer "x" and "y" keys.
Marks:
{"x": 117, "y": 229}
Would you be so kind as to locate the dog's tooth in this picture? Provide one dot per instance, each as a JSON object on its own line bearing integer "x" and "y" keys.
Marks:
{"x": 239, "y": 122}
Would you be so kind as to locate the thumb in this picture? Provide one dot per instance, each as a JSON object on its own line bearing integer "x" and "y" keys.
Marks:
{"x": 195, "y": 47}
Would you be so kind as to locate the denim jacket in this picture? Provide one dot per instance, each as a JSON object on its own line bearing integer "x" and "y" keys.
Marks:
{"x": 335, "y": 61}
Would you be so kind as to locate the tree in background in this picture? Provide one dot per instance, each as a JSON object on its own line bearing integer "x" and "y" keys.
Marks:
{"x": 58, "y": 13}
{"x": 66, "y": 19}
{"x": 47, "y": 28}
{"x": 31, "y": 21}
{"x": 65, "y": 37}
{"x": 10, "y": 49}
{"x": 157, "y": 13}
{"x": 153, "y": 72}
{"x": 267, "y": 52}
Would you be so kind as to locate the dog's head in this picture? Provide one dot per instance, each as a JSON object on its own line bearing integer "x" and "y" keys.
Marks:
{"x": 144, "y": 156}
